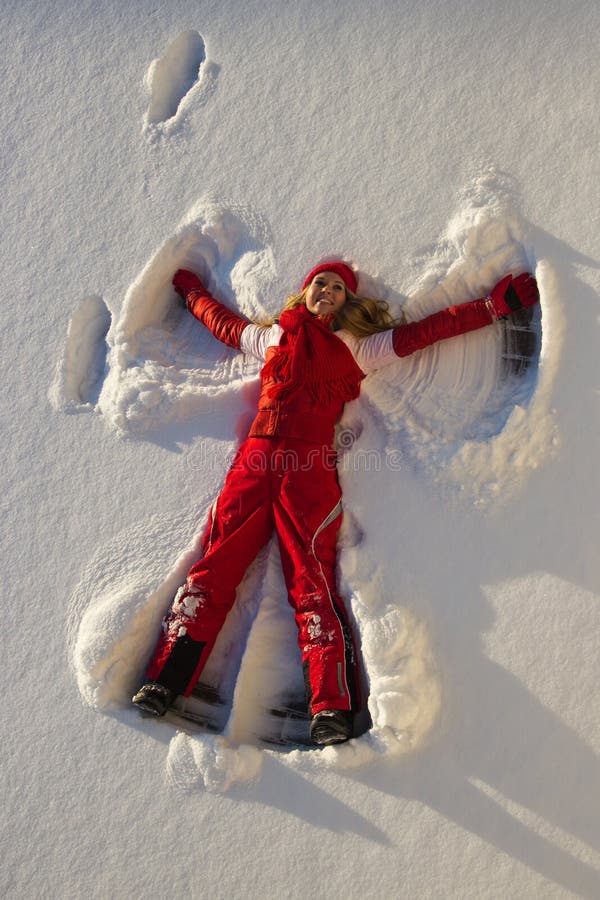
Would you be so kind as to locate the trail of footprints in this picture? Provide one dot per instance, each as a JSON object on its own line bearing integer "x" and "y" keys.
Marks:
{"x": 170, "y": 80}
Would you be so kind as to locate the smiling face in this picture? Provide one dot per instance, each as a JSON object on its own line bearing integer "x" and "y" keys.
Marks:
{"x": 326, "y": 294}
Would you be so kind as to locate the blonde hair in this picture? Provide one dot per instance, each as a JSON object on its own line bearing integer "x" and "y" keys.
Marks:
{"x": 361, "y": 316}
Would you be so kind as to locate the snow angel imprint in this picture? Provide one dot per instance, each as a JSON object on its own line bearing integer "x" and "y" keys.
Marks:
{"x": 284, "y": 478}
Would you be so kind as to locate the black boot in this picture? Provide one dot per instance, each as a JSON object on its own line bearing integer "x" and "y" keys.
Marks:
{"x": 153, "y": 699}
{"x": 331, "y": 726}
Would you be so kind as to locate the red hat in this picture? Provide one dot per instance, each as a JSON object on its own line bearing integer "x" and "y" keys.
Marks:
{"x": 347, "y": 274}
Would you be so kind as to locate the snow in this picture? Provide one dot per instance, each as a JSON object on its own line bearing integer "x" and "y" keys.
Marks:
{"x": 81, "y": 366}
{"x": 436, "y": 146}
{"x": 171, "y": 77}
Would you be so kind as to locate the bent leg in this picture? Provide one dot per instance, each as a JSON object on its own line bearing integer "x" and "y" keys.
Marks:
{"x": 240, "y": 523}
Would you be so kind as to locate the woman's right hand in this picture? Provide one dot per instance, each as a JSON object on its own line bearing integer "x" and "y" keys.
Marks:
{"x": 185, "y": 281}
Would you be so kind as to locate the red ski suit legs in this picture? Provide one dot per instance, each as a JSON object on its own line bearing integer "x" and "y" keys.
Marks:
{"x": 290, "y": 486}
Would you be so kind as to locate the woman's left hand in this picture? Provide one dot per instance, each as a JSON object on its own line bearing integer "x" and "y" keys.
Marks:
{"x": 512, "y": 294}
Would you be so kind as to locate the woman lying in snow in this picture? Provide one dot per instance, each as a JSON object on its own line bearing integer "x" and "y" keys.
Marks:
{"x": 284, "y": 478}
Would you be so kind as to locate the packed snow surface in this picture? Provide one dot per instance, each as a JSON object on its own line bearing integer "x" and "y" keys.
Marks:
{"x": 437, "y": 147}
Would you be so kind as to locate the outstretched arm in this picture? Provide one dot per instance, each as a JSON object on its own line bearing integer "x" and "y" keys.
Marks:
{"x": 441, "y": 325}
{"x": 225, "y": 325}
{"x": 381, "y": 349}
{"x": 508, "y": 296}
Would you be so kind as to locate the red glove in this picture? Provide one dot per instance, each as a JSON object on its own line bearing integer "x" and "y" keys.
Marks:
{"x": 512, "y": 294}
{"x": 185, "y": 281}
{"x": 224, "y": 324}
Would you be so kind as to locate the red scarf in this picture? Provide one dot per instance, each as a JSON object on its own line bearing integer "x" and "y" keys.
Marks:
{"x": 310, "y": 356}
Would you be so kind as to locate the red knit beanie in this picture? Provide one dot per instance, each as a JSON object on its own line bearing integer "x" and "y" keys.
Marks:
{"x": 347, "y": 275}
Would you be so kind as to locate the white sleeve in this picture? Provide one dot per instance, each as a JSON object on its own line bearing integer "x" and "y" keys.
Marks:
{"x": 256, "y": 339}
{"x": 370, "y": 353}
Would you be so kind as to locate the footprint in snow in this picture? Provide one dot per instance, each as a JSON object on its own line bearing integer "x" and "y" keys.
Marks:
{"x": 171, "y": 78}
{"x": 78, "y": 376}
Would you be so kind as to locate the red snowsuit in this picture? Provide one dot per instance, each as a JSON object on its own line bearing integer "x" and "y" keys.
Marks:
{"x": 284, "y": 478}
